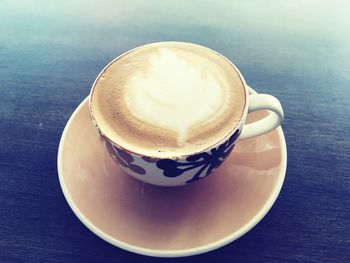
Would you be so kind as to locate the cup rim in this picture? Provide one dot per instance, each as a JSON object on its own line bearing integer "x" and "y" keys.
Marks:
{"x": 179, "y": 156}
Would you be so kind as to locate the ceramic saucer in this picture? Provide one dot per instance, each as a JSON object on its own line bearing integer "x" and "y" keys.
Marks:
{"x": 169, "y": 221}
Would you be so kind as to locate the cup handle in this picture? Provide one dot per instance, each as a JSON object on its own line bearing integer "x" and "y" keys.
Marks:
{"x": 270, "y": 122}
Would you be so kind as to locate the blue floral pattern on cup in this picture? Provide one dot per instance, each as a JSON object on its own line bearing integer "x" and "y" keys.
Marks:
{"x": 205, "y": 162}
{"x": 124, "y": 159}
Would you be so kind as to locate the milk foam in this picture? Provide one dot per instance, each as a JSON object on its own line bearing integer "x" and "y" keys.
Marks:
{"x": 168, "y": 99}
{"x": 174, "y": 93}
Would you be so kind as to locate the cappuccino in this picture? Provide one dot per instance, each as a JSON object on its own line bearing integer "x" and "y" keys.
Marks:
{"x": 168, "y": 99}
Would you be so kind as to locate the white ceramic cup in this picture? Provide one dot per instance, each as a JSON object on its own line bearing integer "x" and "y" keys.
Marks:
{"x": 182, "y": 170}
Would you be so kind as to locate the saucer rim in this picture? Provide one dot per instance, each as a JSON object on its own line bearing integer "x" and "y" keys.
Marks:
{"x": 171, "y": 253}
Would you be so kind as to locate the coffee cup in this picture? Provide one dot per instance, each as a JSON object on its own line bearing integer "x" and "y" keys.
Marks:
{"x": 170, "y": 113}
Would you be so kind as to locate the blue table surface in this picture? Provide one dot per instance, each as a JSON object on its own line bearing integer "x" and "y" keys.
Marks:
{"x": 51, "y": 52}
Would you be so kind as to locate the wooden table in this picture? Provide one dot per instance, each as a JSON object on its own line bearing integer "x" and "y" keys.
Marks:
{"x": 51, "y": 52}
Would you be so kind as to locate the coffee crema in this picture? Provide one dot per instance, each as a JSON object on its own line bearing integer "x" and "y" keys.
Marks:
{"x": 168, "y": 99}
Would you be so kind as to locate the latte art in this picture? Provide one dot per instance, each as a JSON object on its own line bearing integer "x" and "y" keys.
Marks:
{"x": 175, "y": 99}
{"x": 168, "y": 99}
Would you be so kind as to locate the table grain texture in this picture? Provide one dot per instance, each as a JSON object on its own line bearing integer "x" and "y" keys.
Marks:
{"x": 299, "y": 51}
